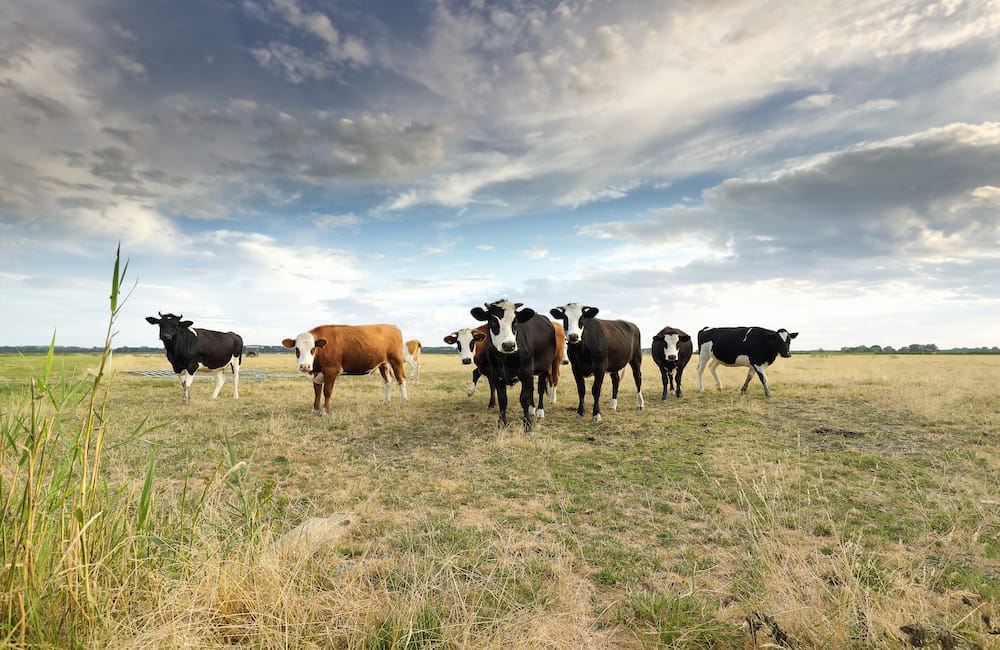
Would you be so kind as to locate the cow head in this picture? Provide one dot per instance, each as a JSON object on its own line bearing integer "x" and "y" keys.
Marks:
{"x": 785, "y": 341}
{"x": 572, "y": 316}
{"x": 466, "y": 340}
{"x": 670, "y": 342}
{"x": 305, "y": 346}
{"x": 503, "y": 319}
{"x": 169, "y": 325}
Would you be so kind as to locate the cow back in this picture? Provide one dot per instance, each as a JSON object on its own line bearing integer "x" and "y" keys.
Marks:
{"x": 357, "y": 349}
{"x": 728, "y": 343}
{"x": 609, "y": 343}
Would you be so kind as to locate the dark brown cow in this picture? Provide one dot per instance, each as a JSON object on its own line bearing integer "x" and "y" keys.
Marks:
{"x": 671, "y": 351}
{"x": 327, "y": 351}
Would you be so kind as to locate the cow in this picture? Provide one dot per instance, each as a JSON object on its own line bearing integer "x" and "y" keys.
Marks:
{"x": 471, "y": 345}
{"x": 520, "y": 346}
{"x": 411, "y": 355}
{"x": 189, "y": 348}
{"x": 598, "y": 346}
{"x": 672, "y": 349}
{"x": 753, "y": 347}
{"x": 327, "y": 351}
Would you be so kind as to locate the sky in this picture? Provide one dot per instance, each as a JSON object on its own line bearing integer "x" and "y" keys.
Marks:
{"x": 270, "y": 165}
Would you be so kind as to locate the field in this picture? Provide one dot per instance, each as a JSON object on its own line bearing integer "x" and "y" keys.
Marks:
{"x": 856, "y": 509}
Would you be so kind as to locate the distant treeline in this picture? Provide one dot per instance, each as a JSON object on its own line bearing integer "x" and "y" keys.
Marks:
{"x": 918, "y": 348}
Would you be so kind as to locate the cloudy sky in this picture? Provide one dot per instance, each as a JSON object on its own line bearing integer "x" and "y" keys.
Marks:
{"x": 270, "y": 165}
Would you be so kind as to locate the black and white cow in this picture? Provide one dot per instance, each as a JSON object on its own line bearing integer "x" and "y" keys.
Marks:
{"x": 755, "y": 348}
{"x": 189, "y": 348}
{"x": 471, "y": 345}
{"x": 672, "y": 349}
{"x": 597, "y": 346}
{"x": 520, "y": 345}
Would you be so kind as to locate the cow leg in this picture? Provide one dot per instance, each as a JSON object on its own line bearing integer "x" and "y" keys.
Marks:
{"x": 713, "y": 367}
{"x": 386, "y": 389}
{"x": 317, "y": 388}
{"x": 637, "y": 378}
{"x": 702, "y": 360}
{"x": 615, "y": 381}
{"x": 596, "y": 392}
{"x": 220, "y": 379}
{"x": 763, "y": 379}
{"x": 527, "y": 401}
{"x": 501, "y": 388}
{"x": 667, "y": 381}
{"x": 186, "y": 380}
{"x": 235, "y": 365}
{"x": 542, "y": 390}
{"x": 677, "y": 380}
{"x": 475, "y": 378}
{"x": 581, "y": 390}
{"x": 330, "y": 378}
{"x": 493, "y": 394}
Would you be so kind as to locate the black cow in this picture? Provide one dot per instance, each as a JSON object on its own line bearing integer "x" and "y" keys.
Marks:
{"x": 598, "y": 346}
{"x": 672, "y": 349}
{"x": 188, "y": 348}
{"x": 753, "y": 347}
{"x": 520, "y": 345}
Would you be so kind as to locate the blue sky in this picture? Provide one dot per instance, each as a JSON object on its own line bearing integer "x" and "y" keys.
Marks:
{"x": 271, "y": 165}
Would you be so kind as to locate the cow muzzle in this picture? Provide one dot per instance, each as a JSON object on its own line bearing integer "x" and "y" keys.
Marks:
{"x": 466, "y": 362}
{"x": 305, "y": 367}
{"x": 573, "y": 338}
{"x": 508, "y": 347}
{"x": 671, "y": 357}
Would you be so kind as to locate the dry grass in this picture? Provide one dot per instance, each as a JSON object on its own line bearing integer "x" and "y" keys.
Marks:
{"x": 862, "y": 499}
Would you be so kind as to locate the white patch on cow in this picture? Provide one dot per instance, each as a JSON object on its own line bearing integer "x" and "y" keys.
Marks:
{"x": 596, "y": 418}
{"x": 386, "y": 392}
{"x": 193, "y": 331}
{"x": 574, "y": 319}
{"x": 642, "y": 402}
{"x": 472, "y": 388}
{"x": 670, "y": 342}
{"x": 186, "y": 381}
{"x": 305, "y": 343}
{"x": 531, "y": 411}
{"x": 318, "y": 378}
{"x": 402, "y": 391}
{"x": 552, "y": 394}
{"x": 540, "y": 413}
{"x": 466, "y": 345}
{"x": 784, "y": 335}
{"x": 614, "y": 403}
{"x": 506, "y": 333}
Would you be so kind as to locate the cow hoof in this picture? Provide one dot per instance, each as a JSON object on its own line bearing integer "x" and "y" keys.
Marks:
{"x": 596, "y": 418}
{"x": 539, "y": 414}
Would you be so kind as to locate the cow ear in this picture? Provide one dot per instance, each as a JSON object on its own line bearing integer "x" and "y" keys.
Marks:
{"x": 792, "y": 335}
{"x": 288, "y": 343}
{"x": 152, "y": 321}
{"x": 186, "y": 323}
{"x": 558, "y": 313}
{"x": 451, "y": 339}
{"x": 590, "y": 312}
{"x": 480, "y": 314}
{"x": 478, "y": 336}
{"x": 683, "y": 338}
{"x": 525, "y": 315}
{"x": 658, "y": 337}
{"x": 321, "y": 343}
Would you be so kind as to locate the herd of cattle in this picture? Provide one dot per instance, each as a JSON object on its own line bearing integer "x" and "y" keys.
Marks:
{"x": 514, "y": 344}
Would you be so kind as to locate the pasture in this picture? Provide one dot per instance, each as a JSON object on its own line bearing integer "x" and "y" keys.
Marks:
{"x": 856, "y": 509}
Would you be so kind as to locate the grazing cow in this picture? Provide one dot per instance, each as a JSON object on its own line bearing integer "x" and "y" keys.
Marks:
{"x": 411, "y": 355}
{"x": 753, "y": 347}
{"x": 472, "y": 349}
{"x": 327, "y": 351}
{"x": 598, "y": 346}
{"x": 520, "y": 345}
{"x": 188, "y": 348}
{"x": 672, "y": 350}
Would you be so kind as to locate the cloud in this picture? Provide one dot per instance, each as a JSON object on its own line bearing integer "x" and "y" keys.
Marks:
{"x": 330, "y": 221}
{"x": 536, "y": 253}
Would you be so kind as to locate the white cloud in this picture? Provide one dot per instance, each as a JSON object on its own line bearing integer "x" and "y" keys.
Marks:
{"x": 536, "y": 253}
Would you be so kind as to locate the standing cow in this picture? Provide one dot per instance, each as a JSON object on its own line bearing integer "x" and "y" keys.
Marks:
{"x": 672, "y": 349}
{"x": 520, "y": 345}
{"x": 411, "y": 355}
{"x": 755, "y": 348}
{"x": 188, "y": 348}
{"x": 471, "y": 345}
{"x": 597, "y": 347}
{"x": 327, "y": 351}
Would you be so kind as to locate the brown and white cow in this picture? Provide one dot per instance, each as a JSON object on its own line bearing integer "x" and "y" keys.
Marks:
{"x": 327, "y": 351}
{"x": 411, "y": 355}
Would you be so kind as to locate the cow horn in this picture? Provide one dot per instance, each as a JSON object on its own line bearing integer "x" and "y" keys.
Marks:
{"x": 160, "y": 313}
